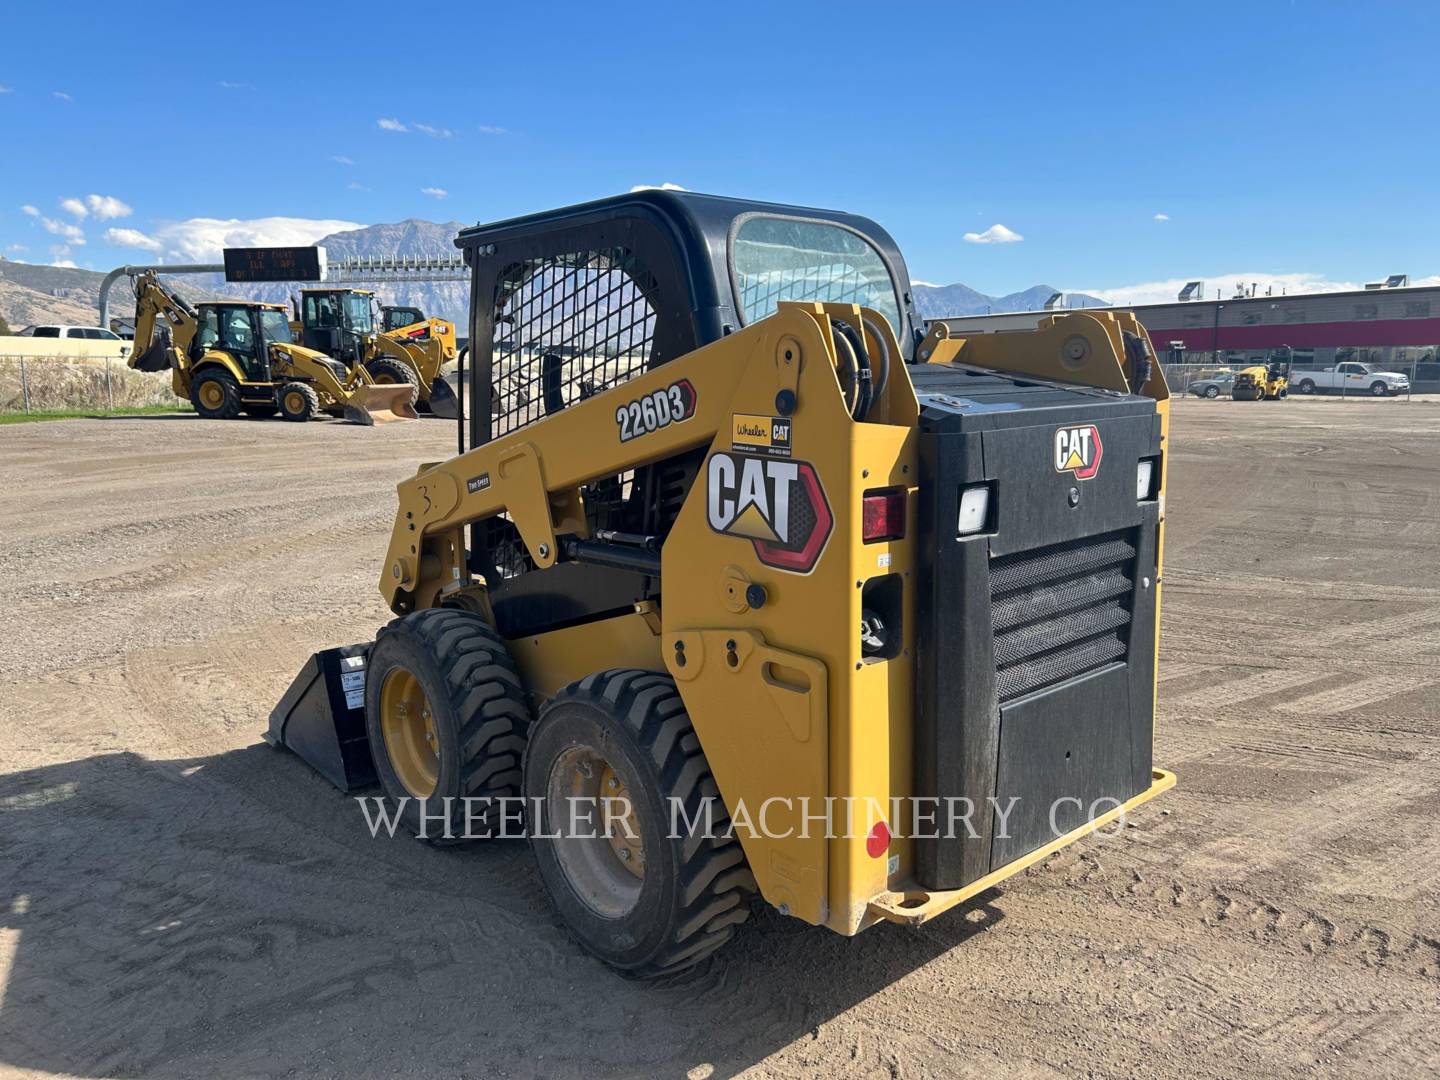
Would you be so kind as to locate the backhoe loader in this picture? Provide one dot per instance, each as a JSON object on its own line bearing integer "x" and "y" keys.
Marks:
{"x": 342, "y": 324}
{"x": 746, "y": 582}
{"x": 234, "y": 356}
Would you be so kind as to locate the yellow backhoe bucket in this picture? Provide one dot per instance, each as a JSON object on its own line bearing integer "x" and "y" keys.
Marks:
{"x": 381, "y": 403}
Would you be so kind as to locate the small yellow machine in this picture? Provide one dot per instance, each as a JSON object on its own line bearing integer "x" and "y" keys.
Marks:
{"x": 748, "y": 583}
{"x": 1269, "y": 381}
{"x": 404, "y": 347}
{"x": 234, "y": 356}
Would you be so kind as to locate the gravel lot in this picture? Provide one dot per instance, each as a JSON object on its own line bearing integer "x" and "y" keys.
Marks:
{"x": 176, "y": 899}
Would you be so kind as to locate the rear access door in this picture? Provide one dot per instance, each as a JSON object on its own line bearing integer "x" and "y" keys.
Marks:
{"x": 1037, "y": 613}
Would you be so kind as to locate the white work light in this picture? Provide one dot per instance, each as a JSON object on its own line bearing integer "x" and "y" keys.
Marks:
{"x": 1144, "y": 476}
{"x": 974, "y": 509}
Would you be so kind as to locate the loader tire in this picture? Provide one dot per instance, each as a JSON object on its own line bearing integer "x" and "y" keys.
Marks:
{"x": 447, "y": 720}
{"x": 387, "y": 371}
{"x": 216, "y": 395}
{"x": 643, "y": 900}
{"x": 298, "y": 402}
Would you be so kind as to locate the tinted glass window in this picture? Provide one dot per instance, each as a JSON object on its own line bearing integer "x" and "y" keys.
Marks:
{"x": 357, "y": 313}
{"x": 275, "y": 327}
{"x": 398, "y": 317}
{"x": 46, "y": 331}
{"x": 208, "y": 332}
{"x": 74, "y": 332}
{"x": 236, "y": 332}
{"x": 779, "y": 259}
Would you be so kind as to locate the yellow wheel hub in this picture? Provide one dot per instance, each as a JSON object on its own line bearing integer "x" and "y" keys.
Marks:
{"x": 295, "y": 402}
{"x": 211, "y": 395}
{"x": 408, "y": 727}
{"x": 600, "y": 849}
{"x": 618, "y": 810}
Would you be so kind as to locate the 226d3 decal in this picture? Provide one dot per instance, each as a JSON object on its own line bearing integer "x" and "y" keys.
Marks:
{"x": 657, "y": 409}
{"x": 1078, "y": 450}
{"x": 778, "y": 505}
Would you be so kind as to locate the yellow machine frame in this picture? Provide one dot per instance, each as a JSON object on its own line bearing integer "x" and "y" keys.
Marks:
{"x": 793, "y": 711}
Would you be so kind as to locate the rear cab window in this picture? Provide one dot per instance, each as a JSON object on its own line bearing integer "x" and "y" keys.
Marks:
{"x": 777, "y": 258}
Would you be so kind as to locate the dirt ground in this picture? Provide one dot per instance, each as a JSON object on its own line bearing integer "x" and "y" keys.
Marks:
{"x": 177, "y": 899}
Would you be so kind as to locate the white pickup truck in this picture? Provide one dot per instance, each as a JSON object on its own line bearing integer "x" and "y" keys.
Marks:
{"x": 1350, "y": 378}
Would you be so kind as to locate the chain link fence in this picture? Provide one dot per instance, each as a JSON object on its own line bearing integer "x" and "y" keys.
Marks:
{"x": 56, "y": 384}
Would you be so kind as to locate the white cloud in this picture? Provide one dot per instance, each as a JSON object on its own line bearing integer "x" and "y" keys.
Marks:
{"x": 6, "y": 90}
{"x": 1162, "y": 217}
{"x": 995, "y": 234}
{"x": 667, "y": 186}
{"x": 434, "y": 192}
{"x": 490, "y": 129}
{"x": 106, "y": 207}
{"x": 61, "y": 95}
{"x": 58, "y": 253}
{"x": 355, "y": 185}
{"x": 71, "y": 233}
{"x": 226, "y": 84}
{"x": 389, "y": 123}
{"x": 75, "y": 207}
{"x": 201, "y": 239}
{"x": 1223, "y": 286}
{"x": 18, "y": 247}
{"x": 32, "y": 211}
{"x": 341, "y": 159}
{"x": 927, "y": 284}
{"x": 132, "y": 238}
{"x": 432, "y": 131}
{"x": 65, "y": 264}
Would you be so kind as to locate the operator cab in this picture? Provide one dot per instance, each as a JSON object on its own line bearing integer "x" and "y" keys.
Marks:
{"x": 396, "y": 318}
{"x": 245, "y": 331}
{"x": 336, "y": 321}
{"x": 573, "y": 301}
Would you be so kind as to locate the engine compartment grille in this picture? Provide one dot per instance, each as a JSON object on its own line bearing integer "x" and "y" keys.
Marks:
{"x": 1060, "y": 611}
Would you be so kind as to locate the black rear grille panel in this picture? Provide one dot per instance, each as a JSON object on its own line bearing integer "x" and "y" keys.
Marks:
{"x": 1061, "y": 611}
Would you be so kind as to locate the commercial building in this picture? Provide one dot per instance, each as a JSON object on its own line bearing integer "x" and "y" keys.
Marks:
{"x": 1393, "y": 326}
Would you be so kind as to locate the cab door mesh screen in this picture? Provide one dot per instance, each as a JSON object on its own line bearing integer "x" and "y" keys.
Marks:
{"x": 566, "y": 328}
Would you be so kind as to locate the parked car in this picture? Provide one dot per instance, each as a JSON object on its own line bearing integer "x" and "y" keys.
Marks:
{"x": 1213, "y": 386}
{"x": 87, "y": 333}
{"x": 1351, "y": 377}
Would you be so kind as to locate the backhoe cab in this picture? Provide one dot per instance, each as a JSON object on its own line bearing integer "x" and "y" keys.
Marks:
{"x": 395, "y": 345}
{"x": 234, "y": 356}
{"x": 873, "y": 609}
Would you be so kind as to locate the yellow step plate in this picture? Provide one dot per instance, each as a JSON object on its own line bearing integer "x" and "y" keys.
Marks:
{"x": 911, "y": 907}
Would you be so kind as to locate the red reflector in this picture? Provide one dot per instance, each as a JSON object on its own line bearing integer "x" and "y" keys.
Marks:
{"x": 883, "y": 515}
{"x": 878, "y": 842}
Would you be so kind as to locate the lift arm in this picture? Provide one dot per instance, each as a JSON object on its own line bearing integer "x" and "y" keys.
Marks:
{"x": 156, "y": 307}
{"x": 535, "y": 474}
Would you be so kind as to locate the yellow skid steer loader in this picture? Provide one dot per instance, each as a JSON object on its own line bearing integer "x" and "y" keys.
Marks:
{"x": 746, "y": 583}
{"x": 234, "y": 356}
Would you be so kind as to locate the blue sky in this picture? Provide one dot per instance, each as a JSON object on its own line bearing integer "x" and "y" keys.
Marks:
{"x": 1286, "y": 141}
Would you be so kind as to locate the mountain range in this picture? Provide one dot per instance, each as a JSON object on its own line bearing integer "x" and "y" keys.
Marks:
{"x": 31, "y": 293}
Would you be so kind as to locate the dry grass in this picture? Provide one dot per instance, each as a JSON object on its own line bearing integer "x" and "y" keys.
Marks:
{"x": 60, "y": 384}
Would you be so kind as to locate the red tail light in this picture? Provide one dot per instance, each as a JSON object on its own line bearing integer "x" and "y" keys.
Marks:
{"x": 883, "y": 515}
